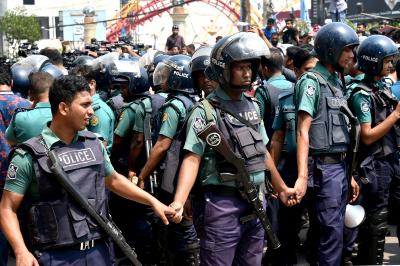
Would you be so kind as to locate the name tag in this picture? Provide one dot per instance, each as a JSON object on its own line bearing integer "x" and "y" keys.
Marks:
{"x": 77, "y": 157}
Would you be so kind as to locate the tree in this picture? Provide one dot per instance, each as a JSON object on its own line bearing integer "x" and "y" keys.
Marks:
{"x": 17, "y": 26}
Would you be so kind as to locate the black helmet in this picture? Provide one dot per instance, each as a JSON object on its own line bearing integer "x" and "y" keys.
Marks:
{"x": 20, "y": 77}
{"x": 129, "y": 71}
{"x": 200, "y": 59}
{"x": 83, "y": 60}
{"x": 51, "y": 69}
{"x": 331, "y": 39}
{"x": 176, "y": 70}
{"x": 372, "y": 51}
{"x": 241, "y": 46}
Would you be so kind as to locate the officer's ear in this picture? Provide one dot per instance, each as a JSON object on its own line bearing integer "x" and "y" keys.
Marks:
{"x": 63, "y": 108}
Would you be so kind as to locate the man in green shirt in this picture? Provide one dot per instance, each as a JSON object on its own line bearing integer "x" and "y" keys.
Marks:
{"x": 84, "y": 159}
{"x": 28, "y": 123}
{"x": 379, "y": 143}
{"x": 218, "y": 210}
{"x": 103, "y": 120}
{"x": 322, "y": 134}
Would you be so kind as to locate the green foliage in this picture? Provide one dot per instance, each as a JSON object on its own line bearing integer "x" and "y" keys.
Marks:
{"x": 17, "y": 25}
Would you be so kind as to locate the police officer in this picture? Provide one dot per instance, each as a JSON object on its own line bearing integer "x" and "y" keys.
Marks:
{"x": 322, "y": 134}
{"x": 69, "y": 236}
{"x": 379, "y": 137}
{"x": 200, "y": 61}
{"x": 103, "y": 120}
{"x": 134, "y": 85}
{"x": 149, "y": 106}
{"x": 181, "y": 242}
{"x": 283, "y": 151}
{"x": 224, "y": 239}
{"x": 28, "y": 123}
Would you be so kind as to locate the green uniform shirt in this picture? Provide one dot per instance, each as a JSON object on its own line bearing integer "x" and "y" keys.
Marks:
{"x": 126, "y": 120}
{"x": 351, "y": 83}
{"x": 102, "y": 122}
{"x": 24, "y": 181}
{"x": 170, "y": 118}
{"x": 307, "y": 91}
{"x": 28, "y": 124}
{"x": 284, "y": 103}
{"x": 280, "y": 82}
{"x": 141, "y": 112}
{"x": 195, "y": 145}
{"x": 361, "y": 104}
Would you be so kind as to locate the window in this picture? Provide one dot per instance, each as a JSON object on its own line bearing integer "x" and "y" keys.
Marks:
{"x": 29, "y": 2}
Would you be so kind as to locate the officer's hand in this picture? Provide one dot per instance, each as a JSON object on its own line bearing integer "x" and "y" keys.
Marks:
{"x": 301, "y": 187}
{"x": 25, "y": 259}
{"x": 288, "y": 197}
{"x": 163, "y": 211}
{"x": 397, "y": 110}
{"x": 355, "y": 190}
{"x": 177, "y": 206}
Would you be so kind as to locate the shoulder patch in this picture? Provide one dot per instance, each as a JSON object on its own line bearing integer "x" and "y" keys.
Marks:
{"x": 94, "y": 121}
{"x": 310, "y": 91}
{"x": 20, "y": 151}
{"x": 364, "y": 106}
{"x": 12, "y": 171}
{"x": 165, "y": 116}
{"x": 199, "y": 123}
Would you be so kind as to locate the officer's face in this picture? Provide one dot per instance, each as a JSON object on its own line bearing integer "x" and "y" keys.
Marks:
{"x": 125, "y": 91}
{"x": 241, "y": 73}
{"x": 307, "y": 66}
{"x": 346, "y": 58}
{"x": 387, "y": 66}
{"x": 80, "y": 110}
{"x": 205, "y": 84}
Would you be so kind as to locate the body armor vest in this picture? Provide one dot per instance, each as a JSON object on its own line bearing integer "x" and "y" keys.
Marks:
{"x": 55, "y": 220}
{"x": 380, "y": 110}
{"x": 328, "y": 132}
{"x": 289, "y": 118}
{"x": 271, "y": 102}
{"x": 243, "y": 139}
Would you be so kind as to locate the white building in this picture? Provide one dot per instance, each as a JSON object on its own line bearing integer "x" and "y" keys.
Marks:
{"x": 48, "y": 12}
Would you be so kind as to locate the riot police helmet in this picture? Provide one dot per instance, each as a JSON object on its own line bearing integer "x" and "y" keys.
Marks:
{"x": 372, "y": 51}
{"x": 175, "y": 73}
{"x": 53, "y": 70}
{"x": 242, "y": 46}
{"x": 331, "y": 40}
{"x": 20, "y": 78}
{"x": 129, "y": 71}
{"x": 83, "y": 60}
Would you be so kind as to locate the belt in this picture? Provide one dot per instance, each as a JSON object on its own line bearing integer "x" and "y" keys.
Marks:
{"x": 86, "y": 245}
{"x": 331, "y": 158}
{"x": 223, "y": 191}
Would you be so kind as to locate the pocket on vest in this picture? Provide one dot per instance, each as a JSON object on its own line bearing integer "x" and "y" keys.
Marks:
{"x": 338, "y": 129}
{"x": 317, "y": 136}
{"x": 79, "y": 223}
{"x": 42, "y": 232}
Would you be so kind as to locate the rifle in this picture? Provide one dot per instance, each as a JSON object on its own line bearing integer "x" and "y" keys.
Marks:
{"x": 107, "y": 225}
{"x": 355, "y": 132}
{"x": 213, "y": 137}
{"x": 149, "y": 146}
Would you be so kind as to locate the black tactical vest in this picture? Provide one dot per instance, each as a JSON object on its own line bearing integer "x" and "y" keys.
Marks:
{"x": 380, "y": 110}
{"x": 289, "y": 117}
{"x": 243, "y": 139}
{"x": 55, "y": 220}
{"x": 328, "y": 132}
{"x": 271, "y": 102}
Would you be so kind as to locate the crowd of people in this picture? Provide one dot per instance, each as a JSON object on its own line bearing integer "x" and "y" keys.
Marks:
{"x": 211, "y": 156}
